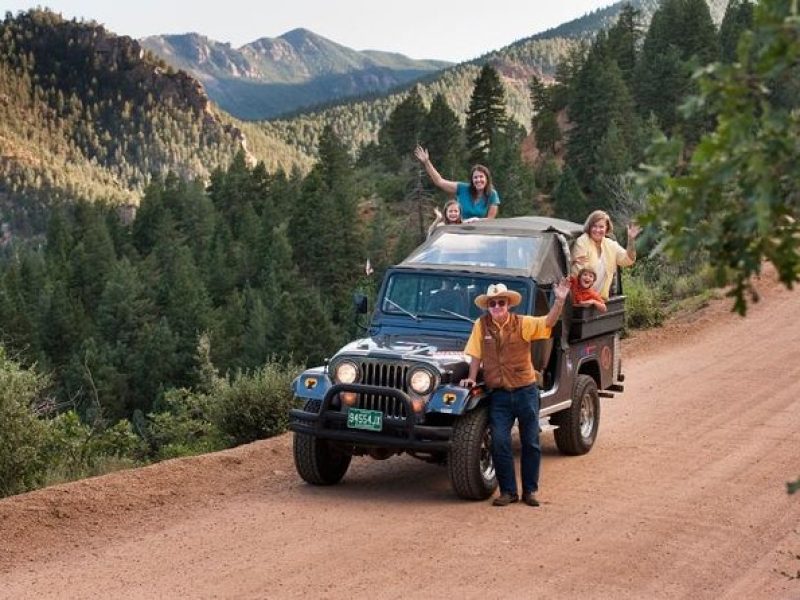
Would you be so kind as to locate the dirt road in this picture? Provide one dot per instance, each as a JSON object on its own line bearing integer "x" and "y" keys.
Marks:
{"x": 683, "y": 496}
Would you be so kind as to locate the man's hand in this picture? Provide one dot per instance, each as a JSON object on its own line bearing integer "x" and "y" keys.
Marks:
{"x": 562, "y": 289}
{"x": 467, "y": 383}
{"x": 421, "y": 154}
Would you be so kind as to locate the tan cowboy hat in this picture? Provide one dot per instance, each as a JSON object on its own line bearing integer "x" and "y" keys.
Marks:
{"x": 498, "y": 290}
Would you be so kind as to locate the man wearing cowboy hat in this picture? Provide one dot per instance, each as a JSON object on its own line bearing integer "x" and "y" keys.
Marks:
{"x": 501, "y": 341}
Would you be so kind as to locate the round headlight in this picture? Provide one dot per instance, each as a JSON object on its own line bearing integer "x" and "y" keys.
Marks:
{"x": 346, "y": 372}
{"x": 421, "y": 381}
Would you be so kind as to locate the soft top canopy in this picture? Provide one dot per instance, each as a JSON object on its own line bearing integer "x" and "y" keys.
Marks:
{"x": 522, "y": 225}
{"x": 536, "y": 247}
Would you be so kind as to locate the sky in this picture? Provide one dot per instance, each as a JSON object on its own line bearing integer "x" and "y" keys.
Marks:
{"x": 452, "y": 30}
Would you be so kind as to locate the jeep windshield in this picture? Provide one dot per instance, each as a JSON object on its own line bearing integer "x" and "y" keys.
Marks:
{"x": 480, "y": 250}
{"x": 443, "y": 296}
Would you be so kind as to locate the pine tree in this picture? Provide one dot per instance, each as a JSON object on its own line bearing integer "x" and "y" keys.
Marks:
{"x": 738, "y": 18}
{"x": 183, "y": 300}
{"x": 124, "y": 311}
{"x": 544, "y": 121}
{"x": 157, "y": 365}
{"x": 325, "y": 229}
{"x": 310, "y": 226}
{"x": 569, "y": 202}
{"x": 227, "y": 332}
{"x": 280, "y": 280}
{"x": 623, "y": 42}
{"x": 232, "y": 189}
{"x": 681, "y": 35}
{"x": 195, "y": 217}
{"x": 125, "y": 306}
{"x": 567, "y": 71}
{"x": 60, "y": 241}
{"x": 443, "y": 136}
{"x": 486, "y": 116}
{"x": 402, "y": 130}
{"x": 150, "y": 214}
{"x": 378, "y": 248}
{"x": 24, "y": 302}
{"x": 249, "y": 236}
{"x": 510, "y": 175}
{"x": 93, "y": 258}
{"x": 223, "y": 265}
{"x": 613, "y": 158}
{"x": 314, "y": 337}
{"x": 599, "y": 97}
{"x": 257, "y": 333}
{"x": 64, "y": 323}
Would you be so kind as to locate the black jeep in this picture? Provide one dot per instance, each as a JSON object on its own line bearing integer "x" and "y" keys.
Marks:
{"x": 397, "y": 390}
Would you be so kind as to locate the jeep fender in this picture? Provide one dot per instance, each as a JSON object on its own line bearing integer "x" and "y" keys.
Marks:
{"x": 312, "y": 384}
{"x": 453, "y": 400}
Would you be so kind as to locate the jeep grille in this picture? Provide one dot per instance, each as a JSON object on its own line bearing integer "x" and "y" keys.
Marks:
{"x": 391, "y": 375}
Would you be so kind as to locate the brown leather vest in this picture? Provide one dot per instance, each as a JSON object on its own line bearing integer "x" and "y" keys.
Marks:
{"x": 506, "y": 358}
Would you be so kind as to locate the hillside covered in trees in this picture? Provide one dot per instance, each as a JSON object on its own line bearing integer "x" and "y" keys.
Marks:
{"x": 86, "y": 114}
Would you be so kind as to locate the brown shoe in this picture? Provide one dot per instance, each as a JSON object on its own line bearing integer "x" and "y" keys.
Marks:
{"x": 529, "y": 499}
{"x": 505, "y": 499}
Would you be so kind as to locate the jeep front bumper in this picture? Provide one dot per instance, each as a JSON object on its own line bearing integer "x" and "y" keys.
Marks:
{"x": 401, "y": 433}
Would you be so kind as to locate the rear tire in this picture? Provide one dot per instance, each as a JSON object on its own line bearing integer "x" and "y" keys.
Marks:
{"x": 317, "y": 461}
{"x": 470, "y": 460}
{"x": 577, "y": 426}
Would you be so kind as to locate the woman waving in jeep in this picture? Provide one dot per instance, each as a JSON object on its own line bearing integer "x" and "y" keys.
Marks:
{"x": 600, "y": 253}
{"x": 478, "y": 198}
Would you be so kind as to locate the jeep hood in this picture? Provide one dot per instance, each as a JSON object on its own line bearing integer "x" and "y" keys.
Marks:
{"x": 427, "y": 348}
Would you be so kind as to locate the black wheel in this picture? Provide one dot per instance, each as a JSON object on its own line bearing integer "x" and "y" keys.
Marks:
{"x": 470, "y": 461}
{"x": 317, "y": 461}
{"x": 577, "y": 426}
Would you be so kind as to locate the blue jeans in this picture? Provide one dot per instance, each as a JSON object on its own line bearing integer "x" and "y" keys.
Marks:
{"x": 506, "y": 406}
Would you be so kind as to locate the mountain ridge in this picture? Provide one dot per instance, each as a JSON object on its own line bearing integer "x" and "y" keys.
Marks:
{"x": 255, "y": 80}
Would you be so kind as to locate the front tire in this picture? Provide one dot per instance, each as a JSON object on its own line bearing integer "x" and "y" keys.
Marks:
{"x": 318, "y": 462}
{"x": 577, "y": 426}
{"x": 470, "y": 460}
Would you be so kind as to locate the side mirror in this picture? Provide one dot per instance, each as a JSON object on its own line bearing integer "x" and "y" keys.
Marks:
{"x": 360, "y": 303}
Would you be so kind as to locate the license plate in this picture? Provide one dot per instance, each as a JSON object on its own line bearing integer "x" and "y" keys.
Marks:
{"x": 371, "y": 420}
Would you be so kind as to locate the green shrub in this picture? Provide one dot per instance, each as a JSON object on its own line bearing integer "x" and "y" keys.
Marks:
{"x": 256, "y": 405}
{"x": 696, "y": 283}
{"x": 23, "y": 435}
{"x": 77, "y": 450}
{"x": 183, "y": 425}
{"x": 642, "y": 304}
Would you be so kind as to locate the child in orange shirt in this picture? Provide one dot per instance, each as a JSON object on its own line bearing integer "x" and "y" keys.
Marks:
{"x": 583, "y": 294}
